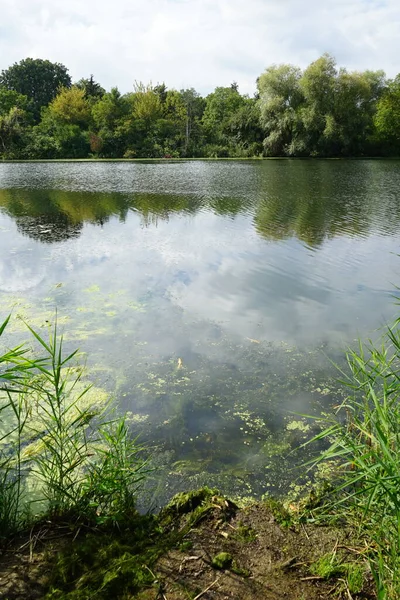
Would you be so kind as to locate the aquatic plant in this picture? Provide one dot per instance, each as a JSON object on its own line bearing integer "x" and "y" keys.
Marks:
{"x": 59, "y": 451}
{"x": 364, "y": 436}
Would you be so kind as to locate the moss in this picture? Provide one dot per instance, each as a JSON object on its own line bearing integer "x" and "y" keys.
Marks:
{"x": 355, "y": 577}
{"x": 104, "y": 565}
{"x": 282, "y": 516}
{"x": 244, "y": 534}
{"x": 186, "y": 502}
{"x": 327, "y": 566}
{"x": 223, "y": 560}
{"x": 111, "y": 563}
{"x": 185, "y": 546}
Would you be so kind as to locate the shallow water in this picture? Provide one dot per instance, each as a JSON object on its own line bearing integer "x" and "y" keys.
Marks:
{"x": 208, "y": 296}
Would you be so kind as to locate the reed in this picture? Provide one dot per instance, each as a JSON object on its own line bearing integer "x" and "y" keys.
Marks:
{"x": 81, "y": 463}
{"x": 364, "y": 443}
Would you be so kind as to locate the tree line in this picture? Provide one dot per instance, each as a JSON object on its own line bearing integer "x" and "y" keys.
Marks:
{"x": 321, "y": 111}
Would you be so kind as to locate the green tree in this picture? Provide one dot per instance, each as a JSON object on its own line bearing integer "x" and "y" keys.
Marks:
{"x": 195, "y": 106}
{"x": 70, "y": 106}
{"x": 92, "y": 89}
{"x": 318, "y": 87}
{"x": 109, "y": 115}
{"x": 11, "y": 132}
{"x": 37, "y": 79}
{"x": 108, "y": 111}
{"x": 146, "y": 103}
{"x": 161, "y": 90}
{"x": 10, "y": 99}
{"x": 246, "y": 129}
{"x": 352, "y": 117}
{"x": 220, "y": 107}
{"x": 280, "y": 98}
{"x": 387, "y": 117}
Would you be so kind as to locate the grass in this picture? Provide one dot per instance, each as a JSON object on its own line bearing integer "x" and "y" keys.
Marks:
{"x": 364, "y": 443}
{"x": 331, "y": 565}
{"x": 60, "y": 454}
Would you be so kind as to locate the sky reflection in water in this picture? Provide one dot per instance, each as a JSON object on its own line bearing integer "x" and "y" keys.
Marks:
{"x": 250, "y": 272}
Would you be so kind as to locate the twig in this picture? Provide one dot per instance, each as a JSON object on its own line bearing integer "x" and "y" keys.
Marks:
{"x": 336, "y": 547}
{"x": 206, "y": 590}
{"x": 355, "y": 550}
{"x": 350, "y": 597}
{"x": 305, "y": 531}
{"x": 151, "y": 573}
{"x": 310, "y": 578}
{"x": 77, "y": 533}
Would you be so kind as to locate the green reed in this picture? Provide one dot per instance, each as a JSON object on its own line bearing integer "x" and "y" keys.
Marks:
{"x": 364, "y": 438}
{"x": 60, "y": 452}
{"x": 14, "y": 370}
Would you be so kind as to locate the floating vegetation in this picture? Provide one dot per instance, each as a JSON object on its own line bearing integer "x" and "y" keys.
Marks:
{"x": 214, "y": 410}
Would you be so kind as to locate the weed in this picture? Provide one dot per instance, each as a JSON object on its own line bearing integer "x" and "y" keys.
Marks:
{"x": 327, "y": 566}
{"x": 364, "y": 437}
{"x": 282, "y": 516}
{"x": 244, "y": 533}
{"x": 80, "y": 460}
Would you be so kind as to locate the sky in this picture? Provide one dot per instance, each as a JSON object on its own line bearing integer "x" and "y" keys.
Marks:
{"x": 198, "y": 43}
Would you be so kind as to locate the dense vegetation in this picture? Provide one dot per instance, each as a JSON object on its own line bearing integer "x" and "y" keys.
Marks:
{"x": 321, "y": 111}
{"x": 61, "y": 455}
{"x": 364, "y": 447}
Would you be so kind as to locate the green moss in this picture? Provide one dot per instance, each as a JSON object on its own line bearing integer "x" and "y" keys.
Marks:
{"x": 355, "y": 577}
{"x": 186, "y": 502}
{"x": 282, "y": 516}
{"x": 332, "y": 565}
{"x": 244, "y": 534}
{"x": 185, "y": 546}
{"x": 119, "y": 563}
{"x": 223, "y": 560}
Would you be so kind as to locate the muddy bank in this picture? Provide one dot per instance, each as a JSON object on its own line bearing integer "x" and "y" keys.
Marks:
{"x": 201, "y": 545}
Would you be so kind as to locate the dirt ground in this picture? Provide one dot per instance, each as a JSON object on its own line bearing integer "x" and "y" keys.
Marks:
{"x": 261, "y": 560}
{"x": 274, "y": 561}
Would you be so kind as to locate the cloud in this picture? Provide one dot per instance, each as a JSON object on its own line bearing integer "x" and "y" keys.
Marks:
{"x": 199, "y": 43}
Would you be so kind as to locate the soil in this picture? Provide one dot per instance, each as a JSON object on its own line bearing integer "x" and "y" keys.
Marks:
{"x": 217, "y": 552}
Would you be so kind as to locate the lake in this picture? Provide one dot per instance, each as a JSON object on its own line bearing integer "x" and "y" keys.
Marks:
{"x": 207, "y": 297}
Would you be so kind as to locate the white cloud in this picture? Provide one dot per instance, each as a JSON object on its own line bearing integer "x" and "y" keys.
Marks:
{"x": 199, "y": 43}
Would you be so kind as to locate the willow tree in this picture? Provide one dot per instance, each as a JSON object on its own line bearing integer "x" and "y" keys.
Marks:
{"x": 280, "y": 98}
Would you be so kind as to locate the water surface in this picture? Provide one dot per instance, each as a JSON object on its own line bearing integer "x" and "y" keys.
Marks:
{"x": 208, "y": 296}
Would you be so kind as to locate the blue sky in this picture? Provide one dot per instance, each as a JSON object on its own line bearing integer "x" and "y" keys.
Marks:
{"x": 198, "y": 43}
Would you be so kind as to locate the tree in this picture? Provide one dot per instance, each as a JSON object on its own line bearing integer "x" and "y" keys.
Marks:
{"x": 92, "y": 89}
{"x": 37, "y": 79}
{"x": 280, "y": 98}
{"x": 146, "y": 103}
{"x": 109, "y": 115}
{"x": 70, "y": 106}
{"x": 195, "y": 106}
{"x": 220, "y": 106}
{"x": 161, "y": 90}
{"x": 387, "y": 117}
{"x": 246, "y": 129}
{"x": 10, "y": 99}
{"x": 11, "y": 131}
{"x": 110, "y": 109}
{"x": 318, "y": 87}
{"x": 352, "y": 117}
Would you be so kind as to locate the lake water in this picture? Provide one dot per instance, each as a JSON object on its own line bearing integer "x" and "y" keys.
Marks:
{"x": 208, "y": 297}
